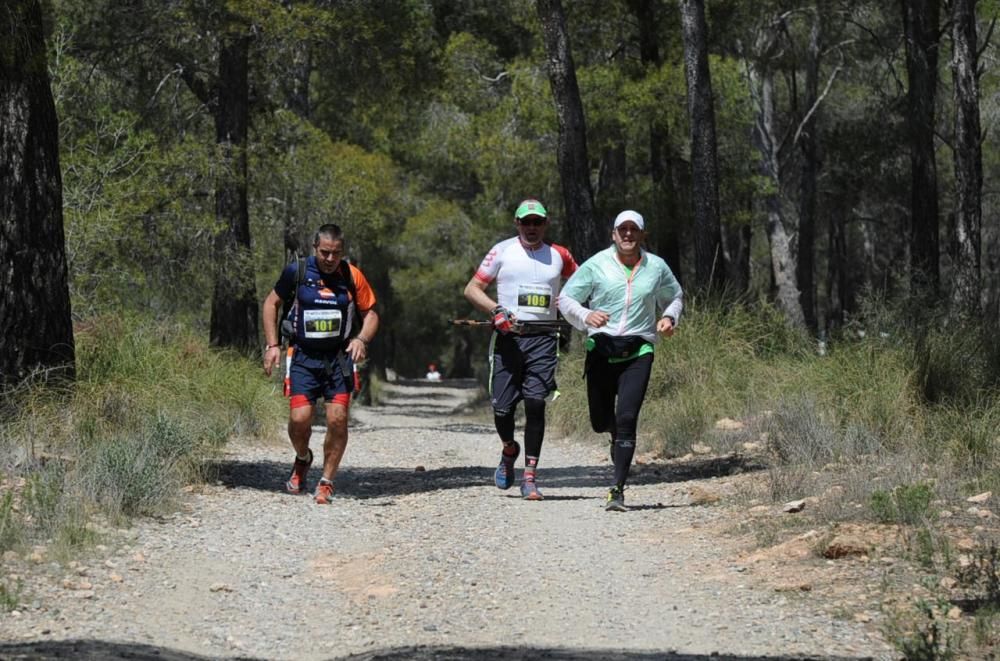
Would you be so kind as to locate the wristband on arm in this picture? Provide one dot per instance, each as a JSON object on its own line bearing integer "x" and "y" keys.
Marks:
{"x": 502, "y": 319}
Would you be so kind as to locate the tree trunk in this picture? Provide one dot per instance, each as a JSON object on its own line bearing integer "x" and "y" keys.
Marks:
{"x": 611, "y": 195}
{"x": 967, "y": 285}
{"x": 586, "y": 236}
{"x": 709, "y": 269}
{"x": 36, "y": 329}
{"x": 296, "y": 100}
{"x": 736, "y": 248}
{"x": 234, "y": 300}
{"x": 300, "y": 70}
{"x": 782, "y": 261}
{"x": 663, "y": 219}
{"x": 920, "y": 22}
{"x": 839, "y": 292}
{"x": 807, "y": 184}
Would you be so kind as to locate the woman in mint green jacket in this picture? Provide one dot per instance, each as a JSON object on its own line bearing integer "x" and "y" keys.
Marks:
{"x": 625, "y": 298}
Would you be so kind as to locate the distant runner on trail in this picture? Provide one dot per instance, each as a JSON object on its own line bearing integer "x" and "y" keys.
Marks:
{"x": 328, "y": 295}
{"x": 528, "y": 272}
{"x": 633, "y": 297}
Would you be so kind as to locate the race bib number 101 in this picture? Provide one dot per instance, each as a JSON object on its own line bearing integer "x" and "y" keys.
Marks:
{"x": 321, "y": 324}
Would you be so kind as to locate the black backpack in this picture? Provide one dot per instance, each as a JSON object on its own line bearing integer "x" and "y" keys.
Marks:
{"x": 288, "y": 306}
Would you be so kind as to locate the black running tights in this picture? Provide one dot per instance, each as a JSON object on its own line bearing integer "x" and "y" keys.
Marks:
{"x": 626, "y": 381}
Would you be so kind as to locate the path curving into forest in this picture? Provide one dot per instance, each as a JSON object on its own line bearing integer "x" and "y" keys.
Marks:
{"x": 429, "y": 563}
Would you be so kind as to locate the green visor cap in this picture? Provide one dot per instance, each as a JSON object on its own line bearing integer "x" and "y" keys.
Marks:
{"x": 530, "y": 208}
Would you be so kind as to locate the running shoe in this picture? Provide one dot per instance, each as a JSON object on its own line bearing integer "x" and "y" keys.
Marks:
{"x": 529, "y": 491}
{"x": 503, "y": 477}
{"x": 615, "y": 501}
{"x": 297, "y": 481}
{"x": 324, "y": 492}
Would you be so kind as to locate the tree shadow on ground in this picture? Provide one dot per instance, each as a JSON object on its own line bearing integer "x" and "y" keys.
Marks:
{"x": 384, "y": 481}
{"x": 94, "y": 650}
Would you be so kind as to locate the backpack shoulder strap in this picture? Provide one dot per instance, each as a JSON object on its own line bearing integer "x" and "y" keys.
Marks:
{"x": 300, "y": 277}
{"x": 300, "y": 273}
{"x": 348, "y": 275}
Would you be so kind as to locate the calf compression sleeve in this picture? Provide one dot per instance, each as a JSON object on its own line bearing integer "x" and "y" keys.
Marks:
{"x": 624, "y": 451}
{"x": 534, "y": 426}
{"x": 505, "y": 425}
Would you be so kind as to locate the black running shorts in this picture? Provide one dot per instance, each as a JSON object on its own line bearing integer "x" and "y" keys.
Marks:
{"x": 521, "y": 367}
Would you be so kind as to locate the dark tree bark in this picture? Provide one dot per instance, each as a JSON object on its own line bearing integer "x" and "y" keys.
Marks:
{"x": 663, "y": 219}
{"x": 736, "y": 247}
{"x": 234, "y": 300}
{"x": 611, "y": 195}
{"x": 36, "y": 329}
{"x": 839, "y": 292}
{"x": 586, "y": 235}
{"x": 920, "y": 24}
{"x": 710, "y": 269}
{"x": 808, "y": 144}
{"x": 296, "y": 100}
{"x": 967, "y": 285}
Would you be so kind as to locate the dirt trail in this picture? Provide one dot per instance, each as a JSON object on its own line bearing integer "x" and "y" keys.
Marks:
{"x": 428, "y": 562}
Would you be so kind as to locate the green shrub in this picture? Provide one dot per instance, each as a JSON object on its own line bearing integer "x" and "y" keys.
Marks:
{"x": 907, "y": 504}
{"x": 956, "y": 361}
{"x": 151, "y": 404}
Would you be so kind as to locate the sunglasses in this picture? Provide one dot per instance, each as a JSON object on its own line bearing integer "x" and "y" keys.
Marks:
{"x": 532, "y": 222}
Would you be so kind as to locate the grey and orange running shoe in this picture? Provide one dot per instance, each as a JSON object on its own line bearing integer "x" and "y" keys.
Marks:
{"x": 529, "y": 491}
{"x": 324, "y": 492}
{"x": 297, "y": 480}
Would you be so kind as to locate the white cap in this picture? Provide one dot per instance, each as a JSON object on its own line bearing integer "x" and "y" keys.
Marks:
{"x": 629, "y": 215}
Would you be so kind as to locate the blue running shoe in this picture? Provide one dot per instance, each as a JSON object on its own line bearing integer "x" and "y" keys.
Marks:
{"x": 503, "y": 477}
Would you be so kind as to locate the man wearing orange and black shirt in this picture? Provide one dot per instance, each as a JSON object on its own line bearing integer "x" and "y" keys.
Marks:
{"x": 325, "y": 352}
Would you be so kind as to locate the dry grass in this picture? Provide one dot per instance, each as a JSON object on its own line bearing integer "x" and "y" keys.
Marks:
{"x": 149, "y": 406}
{"x": 895, "y": 425}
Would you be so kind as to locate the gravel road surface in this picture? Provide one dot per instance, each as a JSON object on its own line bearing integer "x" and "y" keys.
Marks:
{"x": 421, "y": 557}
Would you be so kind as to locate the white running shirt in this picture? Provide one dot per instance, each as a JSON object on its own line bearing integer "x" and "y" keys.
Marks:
{"x": 527, "y": 279}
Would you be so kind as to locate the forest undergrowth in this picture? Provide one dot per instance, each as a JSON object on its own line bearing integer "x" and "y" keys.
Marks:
{"x": 890, "y": 424}
{"x": 885, "y": 424}
{"x": 151, "y": 406}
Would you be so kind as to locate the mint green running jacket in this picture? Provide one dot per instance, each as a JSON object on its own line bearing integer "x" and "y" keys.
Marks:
{"x": 635, "y": 299}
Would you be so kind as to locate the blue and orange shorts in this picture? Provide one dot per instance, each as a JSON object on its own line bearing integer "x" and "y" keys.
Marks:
{"x": 316, "y": 374}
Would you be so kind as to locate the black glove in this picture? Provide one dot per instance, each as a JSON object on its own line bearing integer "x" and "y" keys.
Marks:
{"x": 503, "y": 319}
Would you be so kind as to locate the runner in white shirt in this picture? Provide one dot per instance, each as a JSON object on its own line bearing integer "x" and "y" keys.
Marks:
{"x": 528, "y": 272}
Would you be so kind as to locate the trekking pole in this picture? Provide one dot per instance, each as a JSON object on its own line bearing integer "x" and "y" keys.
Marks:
{"x": 471, "y": 322}
{"x": 519, "y": 326}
